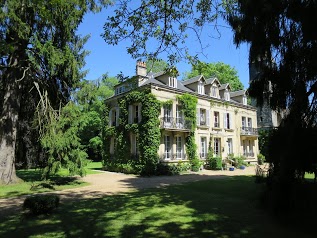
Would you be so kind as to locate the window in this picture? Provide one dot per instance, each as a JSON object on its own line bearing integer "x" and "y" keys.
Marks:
{"x": 214, "y": 91}
{"x": 179, "y": 148}
{"x": 230, "y": 146}
{"x": 203, "y": 147}
{"x": 167, "y": 113}
{"x": 203, "y": 117}
{"x": 227, "y": 120}
{"x": 136, "y": 114}
{"x": 227, "y": 95}
{"x": 172, "y": 82}
{"x": 216, "y": 119}
{"x": 167, "y": 143}
{"x": 244, "y": 100}
{"x": 134, "y": 144}
{"x": 249, "y": 122}
{"x": 114, "y": 117}
{"x": 179, "y": 117}
{"x": 201, "y": 89}
{"x": 217, "y": 146}
{"x": 244, "y": 122}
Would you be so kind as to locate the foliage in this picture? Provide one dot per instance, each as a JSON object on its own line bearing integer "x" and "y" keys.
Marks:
{"x": 264, "y": 135}
{"x": 261, "y": 159}
{"x": 41, "y": 204}
{"x": 189, "y": 104}
{"x": 214, "y": 163}
{"x": 224, "y": 73}
{"x": 147, "y": 131}
{"x": 156, "y": 66}
{"x": 39, "y": 45}
{"x": 172, "y": 169}
{"x": 168, "y": 22}
{"x": 62, "y": 144}
{"x": 239, "y": 161}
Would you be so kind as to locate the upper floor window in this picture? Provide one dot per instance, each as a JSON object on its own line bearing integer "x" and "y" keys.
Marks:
{"x": 167, "y": 113}
{"x": 202, "y": 117}
{"x": 114, "y": 117}
{"x": 134, "y": 113}
{"x": 172, "y": 82}
{"x": 244, "y": 122}
{"x": 179, "y": 114}
{"x": 120, "y": 90}
{"x": 216, "y": 120}
{"x": 201, "y": 88}
{"x": 214, "y": 91}
{"x": 244, "y": 100}
{"x": 249, "y": 122}
{"x": 227, "y": 120}
{"x": 227, "y": 95}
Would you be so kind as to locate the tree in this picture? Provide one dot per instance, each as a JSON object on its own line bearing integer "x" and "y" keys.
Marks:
{"x": 224, "y": 72}
{"x": 38, "y": 43}
{"x": 156, "y": 66}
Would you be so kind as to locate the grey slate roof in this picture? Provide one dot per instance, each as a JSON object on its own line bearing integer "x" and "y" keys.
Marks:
{"x": 237, "y": 93}
{"x": 224, "y": 86}
{"x": 212, "y": 80}
{"x": 192, "y": 80}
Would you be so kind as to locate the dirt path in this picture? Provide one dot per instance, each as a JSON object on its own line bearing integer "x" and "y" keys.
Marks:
{"x": 107, "y": 183}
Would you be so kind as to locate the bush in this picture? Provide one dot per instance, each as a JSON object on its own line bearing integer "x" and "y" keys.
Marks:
{"x": 172, "y": 169}
{"x": 41, "y": 204}
{"x": 196, "y": 164}
{"x": 239, "y": 161}
{"x": 261, "y": 159}
{"x": 214, "y": 163}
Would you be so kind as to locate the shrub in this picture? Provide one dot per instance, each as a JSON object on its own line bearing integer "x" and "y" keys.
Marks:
{"x": 41, "y": 204}
{"x": 214, "y": 163}
{"x": 239, "y": 161}
{"x": 172, "y": 169}
{"x": 261, "y": 159}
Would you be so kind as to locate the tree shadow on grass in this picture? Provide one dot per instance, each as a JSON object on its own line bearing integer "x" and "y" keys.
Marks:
{"x": 211, "y": 208}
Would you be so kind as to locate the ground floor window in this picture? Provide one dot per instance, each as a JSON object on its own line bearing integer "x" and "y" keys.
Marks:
{"x": 203, "y": 147}
{"x": 167, "y": 143}
{"x": 230, "y": 146}
{"x": 179, "y": 147}
{"x": 217, "y": 146}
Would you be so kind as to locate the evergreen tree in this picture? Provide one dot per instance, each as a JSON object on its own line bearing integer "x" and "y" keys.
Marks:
{"x": 38, "y": 43}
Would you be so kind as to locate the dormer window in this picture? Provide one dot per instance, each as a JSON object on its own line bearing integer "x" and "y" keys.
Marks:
{"x": 214, "y": 90}
{"x": 201, "y": 88}
{"x": 244, "y": 100}
{"x": 172, "y": 82}
{"x": 227, "y": 95}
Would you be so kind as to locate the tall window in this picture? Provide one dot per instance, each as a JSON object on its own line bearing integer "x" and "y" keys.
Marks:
{"x": 244, "y": 100}
{"x": 203, "y": 117}
{"x": 227, "y": 95}
{"x": 214, "y": 92}
{"x": 227, "y": 120}
{"x": 230, "y": 146}
{"x": 167, "y": 143}
{"x": 172, "y": 82}
{"x": 179, "y": 148}
{"x": 217, "y": 146}
{"x": 179, "y": 115}
{"x": 136, "y": 114}
{"x": 249, "y": 122}
{"x": 201, "y": 89}
{"x": 244, "y": 122}
{"x": 167, "y": 113}
{"x": 216, "y": 119}
{"x": 203, "y": 147}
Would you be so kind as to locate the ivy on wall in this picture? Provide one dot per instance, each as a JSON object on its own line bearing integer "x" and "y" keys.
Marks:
{"x": 147, "y": 130}
{"x": 189, "y": 105}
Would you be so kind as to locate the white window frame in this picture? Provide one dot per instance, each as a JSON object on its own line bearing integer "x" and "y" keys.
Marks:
{"x": 203, "y": 147}
{"x": 230, "y": 145}
{"x": 217, "y": 146}
{"x": 172, "y": 82}
{"x": 167, "y": 147}
{"x": 167, "y": 113}
{"x": 249, "y": 122}
{"x": 245, "y": 100}
{"x": 227, "y": 121}
{"x": 201, "y": 88}
{"x": 214, "y": 91}
{"x": 216, "y": 119}
{"x": 179, "y": 147}
{"x": 243, "y": 122}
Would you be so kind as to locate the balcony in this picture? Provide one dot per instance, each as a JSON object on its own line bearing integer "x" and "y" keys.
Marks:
{"x": 171, "y": 123}
{"x": 249, "y": 131}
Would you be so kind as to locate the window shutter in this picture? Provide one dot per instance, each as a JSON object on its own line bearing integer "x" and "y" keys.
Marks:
{"x": 130, "y": 114}
{"x": 225, "y": 125}
{"x": 117, "y": 118}
{"x": 110, "y": 118}
{"x": 139, "y": 112}
{"x": 207, "y": 117}
{"x": 198, "y": 117}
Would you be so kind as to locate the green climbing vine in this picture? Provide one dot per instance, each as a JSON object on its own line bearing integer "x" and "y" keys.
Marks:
{"x": 147, "y": 131}
{"x": 189, "y": 105}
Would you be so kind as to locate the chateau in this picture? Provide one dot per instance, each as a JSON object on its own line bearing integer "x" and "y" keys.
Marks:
{"x": 225, "y": 123}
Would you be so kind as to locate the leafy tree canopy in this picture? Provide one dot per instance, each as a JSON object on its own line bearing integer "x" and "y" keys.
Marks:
{"x": 224, "y": 72}
{"x": 156, "y": 65}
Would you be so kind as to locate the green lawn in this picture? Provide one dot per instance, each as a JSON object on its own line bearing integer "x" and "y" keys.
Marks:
{"x": 221, "y": 208}
{"x": 31, "y": 181}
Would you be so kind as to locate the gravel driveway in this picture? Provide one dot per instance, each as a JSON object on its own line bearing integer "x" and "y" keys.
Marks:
{"x": 107, "y": 183}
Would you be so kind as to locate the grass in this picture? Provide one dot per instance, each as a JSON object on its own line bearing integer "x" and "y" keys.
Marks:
{"x": 222, "y": 208}
{"x": 32, "y": 183}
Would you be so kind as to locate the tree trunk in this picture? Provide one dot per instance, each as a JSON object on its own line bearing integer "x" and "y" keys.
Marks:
{"x": 8, "y": 129}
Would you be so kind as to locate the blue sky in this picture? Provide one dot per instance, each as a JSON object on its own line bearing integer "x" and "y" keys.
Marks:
{"x": 110, "y": 59}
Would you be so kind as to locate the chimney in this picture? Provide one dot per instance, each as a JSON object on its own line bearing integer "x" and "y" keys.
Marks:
{"x": 140, "y": 68}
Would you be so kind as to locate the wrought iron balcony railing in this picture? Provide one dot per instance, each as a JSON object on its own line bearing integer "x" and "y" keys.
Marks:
{"x": 175, "y": 123}
{"x": 249, "y": 131}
